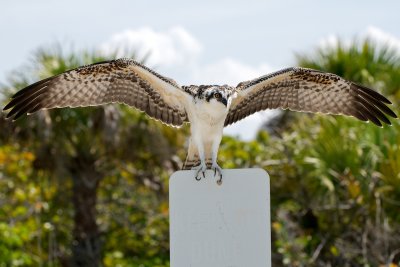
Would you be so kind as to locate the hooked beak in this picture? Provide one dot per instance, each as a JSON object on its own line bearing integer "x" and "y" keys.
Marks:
{"x": 224, "y": 101}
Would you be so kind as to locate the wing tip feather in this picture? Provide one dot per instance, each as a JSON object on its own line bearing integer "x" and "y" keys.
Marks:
{"x": 373, "y": 105}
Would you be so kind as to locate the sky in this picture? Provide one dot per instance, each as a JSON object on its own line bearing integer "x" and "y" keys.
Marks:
{"x": 195, "y": 42}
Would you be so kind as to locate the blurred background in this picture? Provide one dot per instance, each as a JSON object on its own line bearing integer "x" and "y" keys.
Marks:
{"x": 89, "y": 187}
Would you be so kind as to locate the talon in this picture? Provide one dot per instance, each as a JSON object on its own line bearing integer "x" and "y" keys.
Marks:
{"x": 218, "y": 169}
{"x": 219, "y": 181}
{"x": 197, "y": 177}
{"x": 200, "y": 168}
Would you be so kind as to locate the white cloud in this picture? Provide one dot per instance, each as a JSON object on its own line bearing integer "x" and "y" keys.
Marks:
{"x": 382, "y": 37}
{"x": 372, "y": 33}
{"x": 172, "y": 47}
{"x": 247, "y": 129}
{"x": 229, "y": 71}
{"x": 329, "y": 42}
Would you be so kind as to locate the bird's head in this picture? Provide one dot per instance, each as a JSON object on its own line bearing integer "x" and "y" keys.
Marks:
{"x": 221, "y": 95}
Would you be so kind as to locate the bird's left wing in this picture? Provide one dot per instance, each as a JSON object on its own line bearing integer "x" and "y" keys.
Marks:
{"x": 308, "y": 90}
{"x": 123, "y": 80}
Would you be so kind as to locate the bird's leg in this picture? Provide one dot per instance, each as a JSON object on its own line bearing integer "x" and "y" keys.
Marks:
{"x": 215, "y": 166}
{"x": 202, "y": 167}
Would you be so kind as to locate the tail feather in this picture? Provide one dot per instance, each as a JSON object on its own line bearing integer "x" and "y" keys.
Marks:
{"x": 194, "y": 162}
{"x": 192, "y": 158}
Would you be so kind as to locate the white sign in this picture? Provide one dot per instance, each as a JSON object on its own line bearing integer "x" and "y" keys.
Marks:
{"x": 225, "y": 225}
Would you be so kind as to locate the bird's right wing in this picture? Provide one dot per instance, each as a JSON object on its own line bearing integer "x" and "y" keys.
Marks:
{"x": 123, "y": 80}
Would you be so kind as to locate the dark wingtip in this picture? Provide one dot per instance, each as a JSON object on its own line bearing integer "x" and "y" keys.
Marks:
{"x": 9, "y": 117}
{"x": 32, "y": 86}
{"x": 8, "y": 106}
{"x": 375, "y": 104}
{"x": 20, "y": 102}
{"x": 373, "y": 93}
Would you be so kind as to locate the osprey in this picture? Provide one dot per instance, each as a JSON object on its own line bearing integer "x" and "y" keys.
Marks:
{"x": 208, "y": 108}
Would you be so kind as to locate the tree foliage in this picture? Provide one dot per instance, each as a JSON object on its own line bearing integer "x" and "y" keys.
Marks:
{"x": 96, "y": 162}
{"x": 335, "y": 181}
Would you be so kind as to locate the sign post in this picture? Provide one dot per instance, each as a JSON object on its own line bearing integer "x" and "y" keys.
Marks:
{"x": 224, "y": 225}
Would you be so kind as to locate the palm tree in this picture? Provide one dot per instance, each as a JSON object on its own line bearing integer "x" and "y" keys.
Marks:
{"x": 89, "y": 144}
{"x": 340, "y": 174}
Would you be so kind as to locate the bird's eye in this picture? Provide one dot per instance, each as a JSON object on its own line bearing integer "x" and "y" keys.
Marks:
{"x": 217, "y": 95}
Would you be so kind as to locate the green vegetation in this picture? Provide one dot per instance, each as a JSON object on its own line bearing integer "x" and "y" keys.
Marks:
{"x": 76, "y": 187}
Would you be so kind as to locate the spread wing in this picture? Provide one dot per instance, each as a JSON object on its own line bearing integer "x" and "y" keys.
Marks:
{"x": 122, "y": 80}
{"x": 308, "y": 90}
